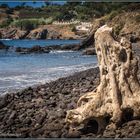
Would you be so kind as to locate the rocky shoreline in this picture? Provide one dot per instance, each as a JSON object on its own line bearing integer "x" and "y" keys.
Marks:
{"x": 40, "y": 111}
{"x": 38, "y": 49}
{"x": 43, "y": 32}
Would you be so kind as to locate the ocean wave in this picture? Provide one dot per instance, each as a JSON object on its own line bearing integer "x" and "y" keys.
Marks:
{"x": 20, "y": 78}
{"x": 6, "y": 39}
{"x": 40, "y": 76}
{"x": 69, "y": 68}
{"x": 60, "y": 51}
{"x": 63, "y": 68}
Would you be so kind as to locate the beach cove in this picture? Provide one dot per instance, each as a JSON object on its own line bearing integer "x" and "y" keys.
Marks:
{"x": 40, "y": 111}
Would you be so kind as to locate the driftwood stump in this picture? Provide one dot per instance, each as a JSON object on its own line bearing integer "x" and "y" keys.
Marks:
{"x": 118, "y": 95}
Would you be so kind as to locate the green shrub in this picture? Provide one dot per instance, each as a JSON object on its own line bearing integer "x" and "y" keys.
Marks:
{"x": 113, "y": 14}
{"x": 25, "y": 24}
{"x": 6, "y": 23}
{"x": 118, "y": 28}
{"x": 73, "y": 29}
{"x": 49, "y": 20}
{"x": 28, "y": 24}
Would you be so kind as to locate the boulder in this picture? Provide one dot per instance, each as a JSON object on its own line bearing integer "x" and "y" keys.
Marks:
{"x": 117, "y": 98}
{"x": 89, "y": 51}
{"x": 39, "y": 33}
{"x": 3, "y": 102}
{"x": 22, "y": 50}
{"x": 73, "y": 47}
{"x": 34, "y": 49}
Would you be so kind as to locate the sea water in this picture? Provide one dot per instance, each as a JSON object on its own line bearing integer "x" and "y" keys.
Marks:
{"x": 18, "y": 71}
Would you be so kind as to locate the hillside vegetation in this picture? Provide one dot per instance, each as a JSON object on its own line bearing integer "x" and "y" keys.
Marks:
{"x": 49, "y": 13}
{"x": 123, "y": 17}
{"x": 125, "y": 22}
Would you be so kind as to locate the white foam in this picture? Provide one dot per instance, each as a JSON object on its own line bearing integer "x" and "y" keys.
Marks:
{"x": 6, "y": 39}
{"x": 56, "y": 51}
{"x": 41, "y": 76}
{"x": 17, "y": 78}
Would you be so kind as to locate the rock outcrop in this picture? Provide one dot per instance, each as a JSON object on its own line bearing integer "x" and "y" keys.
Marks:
{"x": 13, "y": 33}
{"x": 34, "y": 49}
{"x": 42, "y": 32}
{"x": 89, "y": 51}
{"x": 47, "y": 49}
{"x": 127, "y": 24}
{"x": 53, "y": 34}
{"x": 39, "y": 33}
{"x": 89, "y": 41}
{"x": 117, "y": 98}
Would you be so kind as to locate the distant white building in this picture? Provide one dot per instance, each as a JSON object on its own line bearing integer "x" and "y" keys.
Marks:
{"x": 84, "y": 26}
{"x": 66, "y": 22}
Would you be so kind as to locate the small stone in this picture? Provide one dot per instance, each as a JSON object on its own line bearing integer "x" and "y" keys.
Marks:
{"x": 27, "y": 121}
{"x": 74, "y": 134}
{"x": 11, "y": 118}
{"x": 3, "y": 102}
{"x": 55, "y": 134}
{"x": 40, "y": 118}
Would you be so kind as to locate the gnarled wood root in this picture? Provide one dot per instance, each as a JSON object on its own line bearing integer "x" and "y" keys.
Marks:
{"x": 118, "y": 93}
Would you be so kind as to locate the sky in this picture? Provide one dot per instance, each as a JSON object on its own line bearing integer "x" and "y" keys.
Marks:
{"x": 33, "y": 4}
{"x": 13, "y": 4}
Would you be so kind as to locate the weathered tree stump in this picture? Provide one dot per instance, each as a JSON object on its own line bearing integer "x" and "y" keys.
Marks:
{"x": 117, "y": 98}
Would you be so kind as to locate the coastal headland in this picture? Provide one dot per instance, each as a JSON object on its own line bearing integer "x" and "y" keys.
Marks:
{"x": 40, "y": 111}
